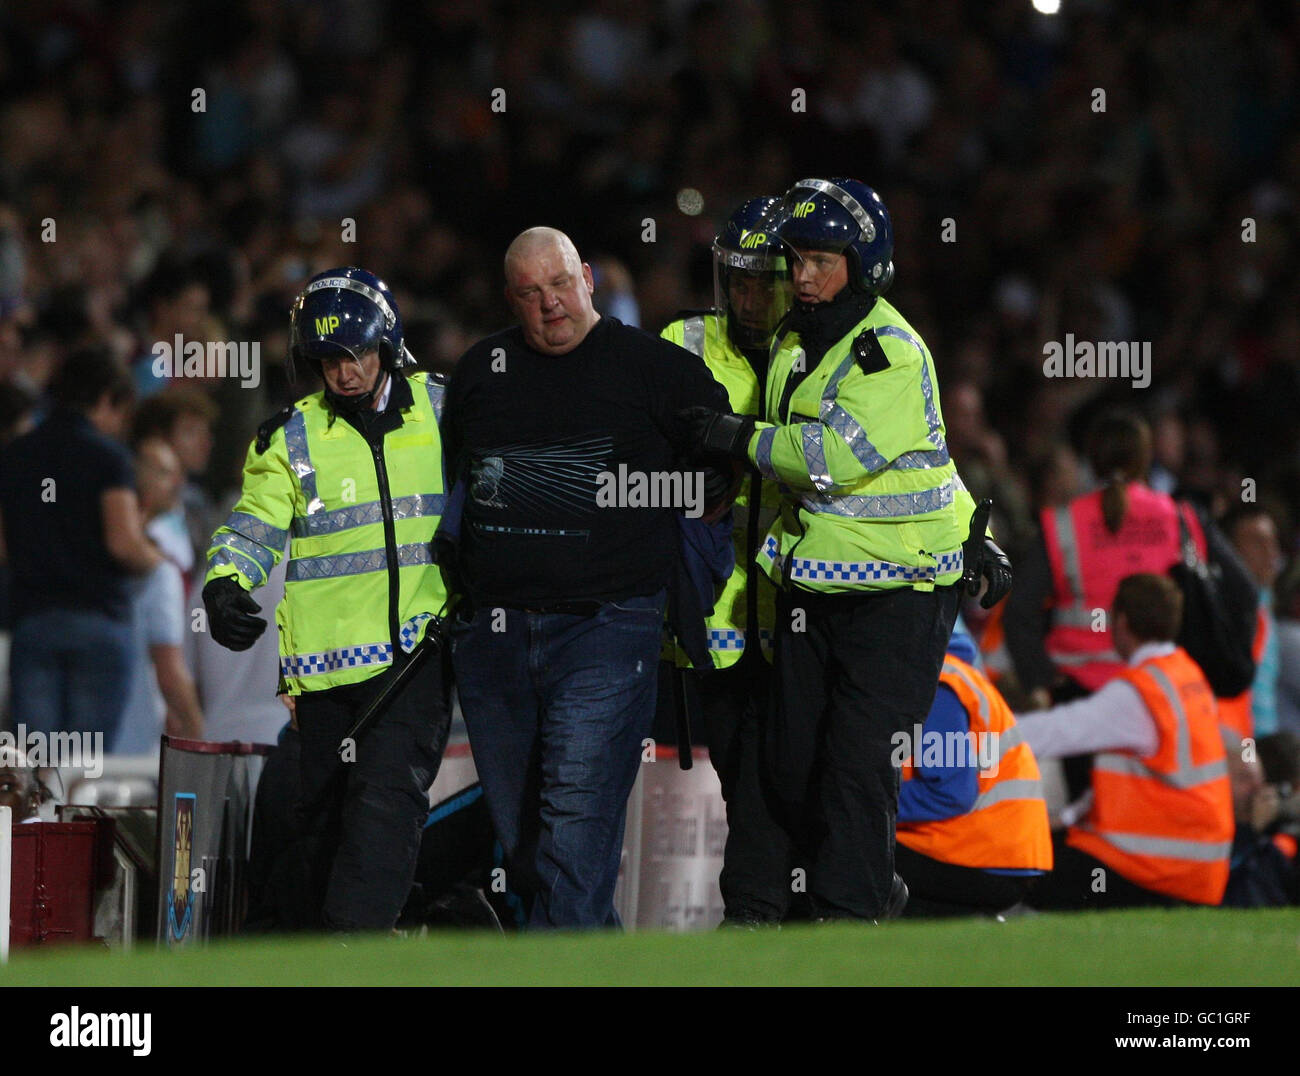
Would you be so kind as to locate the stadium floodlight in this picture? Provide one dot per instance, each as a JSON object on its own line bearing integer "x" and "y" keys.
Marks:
{"x": 1047, "y": 7}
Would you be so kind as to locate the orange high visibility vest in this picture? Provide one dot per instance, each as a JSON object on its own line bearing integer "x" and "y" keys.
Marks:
{"x": 1235, "y": 712}
{"x": 1087, "y": 564}
{"x": 1007, "y": 826}
{"x": 1165, "y": 821}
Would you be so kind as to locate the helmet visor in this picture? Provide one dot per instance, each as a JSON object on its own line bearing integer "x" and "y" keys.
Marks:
{"x": 752, "y": 289}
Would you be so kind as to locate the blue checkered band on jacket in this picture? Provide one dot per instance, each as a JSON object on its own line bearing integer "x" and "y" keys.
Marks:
{"x": 327, "y": 661}
{"x": 864, "y": 571}
{"x": 731, "y": 639}
{"x": 410, "y": 631}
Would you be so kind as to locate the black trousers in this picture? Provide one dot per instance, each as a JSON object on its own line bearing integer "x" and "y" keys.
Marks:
{"x": 1079, "y": 882}
{"x": 757, "y": 862}
{"x": 862, "y": 668}
{"x": 361, "y": 820}
{"x": 944, "y": 889}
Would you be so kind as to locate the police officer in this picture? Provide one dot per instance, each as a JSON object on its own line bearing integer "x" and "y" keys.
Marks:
{"x": 873, "y": 538}
{"x": 352, "y": 478}
{"x": 751, "y": 295}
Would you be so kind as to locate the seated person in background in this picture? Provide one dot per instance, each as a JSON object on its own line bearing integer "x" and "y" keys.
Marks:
{"x": 972, "y": 826}
{"x": 20, "y": 788}
{"x": 1159, "y": 828}
{"x": 1263, "y": 869}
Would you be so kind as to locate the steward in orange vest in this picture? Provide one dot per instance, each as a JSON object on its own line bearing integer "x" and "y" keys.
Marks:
{"x": 1159, "y": 827}
{"x": 972, "y": 825}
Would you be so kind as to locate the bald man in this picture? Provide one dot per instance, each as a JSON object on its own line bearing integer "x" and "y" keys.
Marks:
{"x": 561, "y": 433}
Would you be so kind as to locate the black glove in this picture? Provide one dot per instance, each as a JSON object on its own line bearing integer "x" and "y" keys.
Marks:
{"x": 708, "y": 430}
{"x": 230, "y": 614}
{"x": 719, "y": 485}
{"x": 983, "y": 559}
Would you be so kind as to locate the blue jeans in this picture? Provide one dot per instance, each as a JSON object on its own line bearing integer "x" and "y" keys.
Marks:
{"x": 70, "y": 671}
{"x": 557, "y": 706}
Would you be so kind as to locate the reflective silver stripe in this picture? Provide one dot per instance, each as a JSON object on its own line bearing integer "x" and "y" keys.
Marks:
{"x": 693, "y": 336}
{"x": 1009, "y": 738}
{"x": 841, "y": 422}
{"x": 814, "y": 454}
{"x": 257, "y": 530}
{"x": 437, "y": 396}
{"x": 922, "y": 460}
{"x": 1185, "y": 775}
{"x": 1073, "y": 615}
{"x": 865, "y": 571}
{"x": 258, "y": 554}
{"x": 1171, "y": 847}
{"x": 882, "y": 506}
{"x": 328, "y": 661}
{"x": 238, "y": 560}
{"x": 1018, "y": 789}
{"x": 348, "y": 284}
{"x": 854, "y": 207}
{"x": 1084, "y": 659}
{"x": 1182, "y": 730}
{"x": 372, "y": 560}
{"x": 1130, "y": 766}
{"x": 763, "y": 452}
{"x": 359, "y": 515}
{"x": 1069, "y": 545}
{"x": 295, "y": 443}
{"x": 981, "y": 698}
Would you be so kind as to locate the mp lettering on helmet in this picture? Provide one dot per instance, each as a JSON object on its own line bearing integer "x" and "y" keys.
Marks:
{"x": 804, "y": 208}
{"x": 327, "y": 325}
{"x": 749, "y": 240}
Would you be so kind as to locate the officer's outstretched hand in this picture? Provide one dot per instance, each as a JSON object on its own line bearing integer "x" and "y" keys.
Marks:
{"x": 230, "y": 614}
{"x": 983, "y": 560}
{"x": 707, "y": 430}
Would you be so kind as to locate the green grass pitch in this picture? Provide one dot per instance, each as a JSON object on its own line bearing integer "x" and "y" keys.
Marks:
{"x": 1193, "y": 947}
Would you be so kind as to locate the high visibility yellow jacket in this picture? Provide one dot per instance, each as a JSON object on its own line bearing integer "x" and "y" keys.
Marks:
{"x": 871, "y": 499}
{"x": 705, "y": 335}
{"x": 361, "y": 582}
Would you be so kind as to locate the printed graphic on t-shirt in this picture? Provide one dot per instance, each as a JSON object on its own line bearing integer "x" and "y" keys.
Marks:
{"x": 548, "y": 479}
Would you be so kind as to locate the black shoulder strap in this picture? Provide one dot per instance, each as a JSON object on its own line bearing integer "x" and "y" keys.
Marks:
{"x": 267, "y": 429}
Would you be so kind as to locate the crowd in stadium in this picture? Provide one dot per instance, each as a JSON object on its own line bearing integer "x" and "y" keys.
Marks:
{"x": 1131, "y": 174}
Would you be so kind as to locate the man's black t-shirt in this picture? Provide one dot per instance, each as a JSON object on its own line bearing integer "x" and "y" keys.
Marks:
{"x": 51, "y": 482}
{"x": 532, "y": 435}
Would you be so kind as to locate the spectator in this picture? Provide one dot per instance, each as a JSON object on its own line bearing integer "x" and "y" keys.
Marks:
{"x": 162, "y": 691}
{"x": 184, "y": 417}
{"x": 1159, "y": 827}
{"x": 72, "y": 532}
{"x": 1288, "y": 652}
{"x": 1253, "y": 534}
{"x": 1263, "y": 867}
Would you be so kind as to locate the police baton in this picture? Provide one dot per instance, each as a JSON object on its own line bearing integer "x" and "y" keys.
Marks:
{"x": 428, "y": 646}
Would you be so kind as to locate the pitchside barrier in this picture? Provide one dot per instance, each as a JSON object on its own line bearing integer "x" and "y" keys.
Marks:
{"x": 191, "y": 884}
{"x": 205, "y": 806}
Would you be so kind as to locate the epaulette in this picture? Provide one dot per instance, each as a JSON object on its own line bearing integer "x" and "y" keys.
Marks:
{"x": 267, "y": 429}
{"x": 868, "y": 353}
